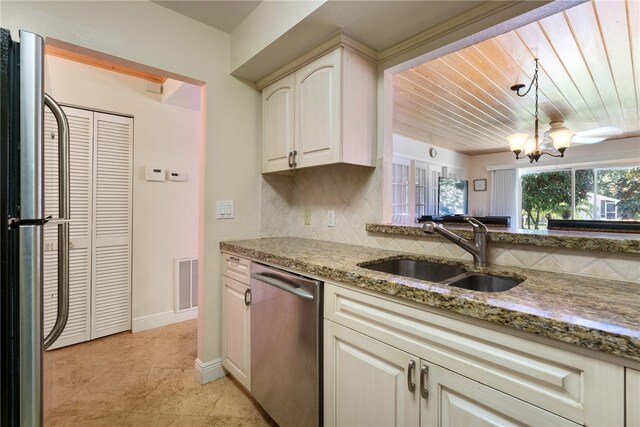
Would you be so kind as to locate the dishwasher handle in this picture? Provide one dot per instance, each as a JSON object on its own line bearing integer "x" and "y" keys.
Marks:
{"x": 282, "y": 285}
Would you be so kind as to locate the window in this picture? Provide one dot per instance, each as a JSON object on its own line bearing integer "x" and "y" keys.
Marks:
{"x": 414, "y": 189}
{"x": 422, "y": 190}
{"x": 579, "y": 193}
{"x": 400, "y": 194}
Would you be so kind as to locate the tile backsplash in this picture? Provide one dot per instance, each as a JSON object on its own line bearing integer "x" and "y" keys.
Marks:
{"x": 354, "y": 192}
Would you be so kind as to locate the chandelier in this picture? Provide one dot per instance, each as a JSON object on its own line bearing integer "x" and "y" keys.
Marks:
{"x": 531, "y": 147}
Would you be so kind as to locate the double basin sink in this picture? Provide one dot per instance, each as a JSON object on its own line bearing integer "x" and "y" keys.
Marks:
{"x": 445, "y": 274}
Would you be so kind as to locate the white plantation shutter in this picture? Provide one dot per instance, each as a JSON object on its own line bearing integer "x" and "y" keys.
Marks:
{"x": 111, "y": 281}
{"x": 81, "y": 142}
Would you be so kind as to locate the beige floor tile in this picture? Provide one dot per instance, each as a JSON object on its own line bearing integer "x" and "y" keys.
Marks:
{"x": 120, "y": 389}
{"x": 216, "y": 421}
{"x": 62, "y": 380}
{"x": 164, "y": 352}
{"x": 163, "y": 420}
{"x": 75, "y": 418}
{"x": 103, "y": 351}
{"x": 236, "y": 402}
{"x": 180, "y": 393}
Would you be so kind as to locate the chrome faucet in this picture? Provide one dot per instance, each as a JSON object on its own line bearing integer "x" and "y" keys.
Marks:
{"x": 479, "y": 246}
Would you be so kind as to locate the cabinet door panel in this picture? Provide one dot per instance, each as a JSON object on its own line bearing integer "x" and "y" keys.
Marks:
{"x": 580, "y": 388}
{"x": 366, "y": 381}
{"x": 112, "y": 212}
{"x": 633, "y": 397}
{"x": 81, "y": 153}
{"x": 235, "y": 331}
{"x": 318, "y": 112}
{"x": 277, "y": 127}
{"x": 458, "y": 401}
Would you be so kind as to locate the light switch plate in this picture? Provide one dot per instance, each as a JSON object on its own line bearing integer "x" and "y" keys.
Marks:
{"x": 224, "y": 209}
{"x": 331, "y": 218}
{"x": 307, "y": 218}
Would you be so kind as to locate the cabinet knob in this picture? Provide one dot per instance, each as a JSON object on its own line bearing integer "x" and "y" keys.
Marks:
{"x": 410, "y": 376}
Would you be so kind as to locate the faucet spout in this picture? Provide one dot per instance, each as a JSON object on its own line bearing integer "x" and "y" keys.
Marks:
{"x": 478, "y": 249}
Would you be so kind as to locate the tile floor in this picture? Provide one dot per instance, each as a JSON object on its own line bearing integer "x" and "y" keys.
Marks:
{"x": 142, "y": 379}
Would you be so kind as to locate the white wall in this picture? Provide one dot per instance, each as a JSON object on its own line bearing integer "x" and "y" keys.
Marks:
{"x": 264, "y": 25}
{"x": 416, "y": 149}
{"x": 607, "y": 151}
{"x": 166, "y": 135}
{"x": 153, "y": 35}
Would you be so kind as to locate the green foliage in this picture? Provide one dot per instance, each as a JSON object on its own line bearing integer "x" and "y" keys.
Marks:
{"x": 549, "y": 193}
{"x": 622, "y": 184}
{"x": 453, "y": 196}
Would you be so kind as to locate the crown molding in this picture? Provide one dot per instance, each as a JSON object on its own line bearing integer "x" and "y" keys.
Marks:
{"x": 325, "y": 46}
{"x": 468, "y": 17}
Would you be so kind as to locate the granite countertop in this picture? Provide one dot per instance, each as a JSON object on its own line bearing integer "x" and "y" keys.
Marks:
{"x": 612, "y": 242}
{"x": 592, "y": 313}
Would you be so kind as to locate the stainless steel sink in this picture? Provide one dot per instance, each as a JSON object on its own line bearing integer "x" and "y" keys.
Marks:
{"x": 417, "y": 269}
{"x": 483, "y": 282}
{"x": 445, "y": 274}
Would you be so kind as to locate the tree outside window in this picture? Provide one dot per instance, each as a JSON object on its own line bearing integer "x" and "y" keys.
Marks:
{"x": 594, "y": 194}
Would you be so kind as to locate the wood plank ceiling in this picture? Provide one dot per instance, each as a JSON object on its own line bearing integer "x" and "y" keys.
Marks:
{"x": 589, "y": 77}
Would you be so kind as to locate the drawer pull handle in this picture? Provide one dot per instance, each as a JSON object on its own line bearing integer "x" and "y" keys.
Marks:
{"x": 247, "y": 297}
{"x": 410, "y": 376}
{"x": 234, "y": 259}
{"x": 424, "y": 376}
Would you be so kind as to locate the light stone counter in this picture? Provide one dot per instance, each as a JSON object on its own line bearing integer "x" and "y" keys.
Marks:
{"x": 592, "y": 313}
{"x": 611, "y": 242}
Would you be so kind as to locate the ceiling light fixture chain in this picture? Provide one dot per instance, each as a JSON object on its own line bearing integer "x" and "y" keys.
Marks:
{"x": 519, "y": 142}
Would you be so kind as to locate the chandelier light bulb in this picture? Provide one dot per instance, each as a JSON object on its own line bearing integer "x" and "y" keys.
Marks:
{"x": 517, "y": 141}
{"x": 561, "y": 138}
{"x": 529, "y": 146}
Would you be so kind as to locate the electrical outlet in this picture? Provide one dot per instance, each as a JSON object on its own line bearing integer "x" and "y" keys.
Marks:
{"x": 307, "y": 218}
{"x": 331, "y": 218}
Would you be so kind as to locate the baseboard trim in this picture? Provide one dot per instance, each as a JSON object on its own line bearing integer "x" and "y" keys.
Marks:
{"x": 162, "y": 319}
{"x": 209, "y": 371}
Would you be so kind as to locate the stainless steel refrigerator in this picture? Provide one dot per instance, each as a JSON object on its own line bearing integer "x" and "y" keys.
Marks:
{"x": 22, "y": 103}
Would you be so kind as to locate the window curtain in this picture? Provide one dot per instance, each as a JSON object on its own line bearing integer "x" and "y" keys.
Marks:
{"x": 504, "y": 195}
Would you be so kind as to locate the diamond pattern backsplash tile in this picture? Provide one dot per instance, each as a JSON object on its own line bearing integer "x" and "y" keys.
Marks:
{"x": 354, "y": 192}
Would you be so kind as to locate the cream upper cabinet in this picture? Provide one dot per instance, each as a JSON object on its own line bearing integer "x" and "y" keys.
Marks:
{"x": 323, "y": 113}
{"x": 318, "y": 127}
{"x": 277, "y": 124}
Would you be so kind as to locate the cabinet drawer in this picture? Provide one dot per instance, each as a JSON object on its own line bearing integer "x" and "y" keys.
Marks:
{"x": 236, "y": 268}
{"x": 574, "y": 386}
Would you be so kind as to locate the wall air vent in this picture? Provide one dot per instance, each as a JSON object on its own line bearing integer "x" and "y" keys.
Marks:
{"x": 186, "y": 283}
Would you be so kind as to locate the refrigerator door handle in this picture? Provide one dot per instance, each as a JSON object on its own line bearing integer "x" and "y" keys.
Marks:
{"x": 62, "y": 222}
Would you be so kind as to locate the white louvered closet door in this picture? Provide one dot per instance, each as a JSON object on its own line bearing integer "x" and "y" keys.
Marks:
{"x": 111, "y": 275}
{"x": 81, "y": 142}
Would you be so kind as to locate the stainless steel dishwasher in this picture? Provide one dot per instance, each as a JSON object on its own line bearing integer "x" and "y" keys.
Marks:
{"x": 286, "y": 346}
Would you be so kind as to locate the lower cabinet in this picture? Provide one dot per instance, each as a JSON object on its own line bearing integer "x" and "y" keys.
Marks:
{"x": 633, "y": 397}
{"x": 369, "y": 383}
{"x": 392, "y": 364}
{"x": 236, "y": 321}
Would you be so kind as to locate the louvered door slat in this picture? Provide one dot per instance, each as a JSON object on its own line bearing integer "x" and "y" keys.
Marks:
{"x": 81, "y": 141}
{"x": 112, "y": 225}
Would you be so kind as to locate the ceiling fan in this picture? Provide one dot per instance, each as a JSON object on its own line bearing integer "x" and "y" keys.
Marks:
{"x": 591, "y": 136}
